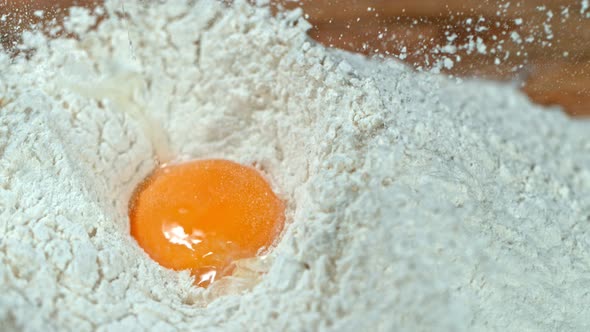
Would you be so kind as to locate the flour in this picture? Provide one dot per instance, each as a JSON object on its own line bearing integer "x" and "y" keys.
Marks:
{"x": 415, "y": 202}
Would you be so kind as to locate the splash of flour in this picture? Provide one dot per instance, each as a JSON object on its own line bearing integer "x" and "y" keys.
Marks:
{"x": 414, "y": 202}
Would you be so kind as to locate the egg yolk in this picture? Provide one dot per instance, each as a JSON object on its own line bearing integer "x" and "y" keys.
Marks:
{"x": 203, "y": 215}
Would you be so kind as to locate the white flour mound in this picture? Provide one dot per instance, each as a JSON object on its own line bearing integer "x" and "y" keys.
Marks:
{"x": 416, "y": 203}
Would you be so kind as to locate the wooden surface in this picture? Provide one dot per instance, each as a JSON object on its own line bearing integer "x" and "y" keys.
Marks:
{"x": 554, "y": 69}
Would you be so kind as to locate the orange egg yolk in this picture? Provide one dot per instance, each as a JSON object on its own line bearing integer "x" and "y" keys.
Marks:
{"x": 203, "y": 215}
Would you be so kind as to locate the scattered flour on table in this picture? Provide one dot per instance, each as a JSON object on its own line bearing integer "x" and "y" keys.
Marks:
{"x": 415, "y": 203}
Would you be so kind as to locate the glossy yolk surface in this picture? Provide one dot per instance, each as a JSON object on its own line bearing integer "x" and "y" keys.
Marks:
{"x": 203, "y": 215}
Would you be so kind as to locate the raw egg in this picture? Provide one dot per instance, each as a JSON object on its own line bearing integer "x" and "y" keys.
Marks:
{"x": 203, "y": 215}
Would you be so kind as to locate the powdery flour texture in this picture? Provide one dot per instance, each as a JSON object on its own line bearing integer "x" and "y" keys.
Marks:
{"x": 415, "y": 202}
